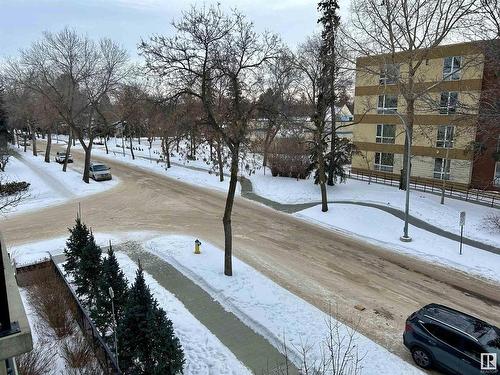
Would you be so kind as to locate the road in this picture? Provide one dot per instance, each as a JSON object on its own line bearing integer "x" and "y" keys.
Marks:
{"x": 326, "y": 268}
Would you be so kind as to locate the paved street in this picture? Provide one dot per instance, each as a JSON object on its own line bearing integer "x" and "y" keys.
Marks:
{"x": 324, "y": 267}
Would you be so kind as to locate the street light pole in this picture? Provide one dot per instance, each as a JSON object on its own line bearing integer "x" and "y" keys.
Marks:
{"x": 112, "y": 295}
{"x": 405, "y": 237}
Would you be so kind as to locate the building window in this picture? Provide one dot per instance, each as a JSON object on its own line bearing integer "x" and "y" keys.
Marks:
{"x": 445, "y": 136}
{"x": 385, "y": 133}
{"x": 384, "y": 162}
{"x": 387, "y": 104}
{"x": 448, "y": 102}
{"x": 389, "y": 74}
{"x": 451, "y": 68}
{"x": 442, "y": 169}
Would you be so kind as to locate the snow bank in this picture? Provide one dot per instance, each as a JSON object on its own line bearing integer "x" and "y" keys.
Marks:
{"x": 383, "y": 229}
{"x": 424, "y": 206}
{"x": 49, "y": 185}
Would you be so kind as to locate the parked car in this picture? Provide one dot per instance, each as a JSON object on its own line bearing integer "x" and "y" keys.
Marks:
{"x": 99, "y": 172}
{"x": 441, "y": 337}
{"x": 61, "y": 156}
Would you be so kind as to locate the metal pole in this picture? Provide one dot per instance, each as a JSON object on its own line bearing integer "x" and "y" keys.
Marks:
{"x": 461, "y": 237}
{"x": 405, "y": 237}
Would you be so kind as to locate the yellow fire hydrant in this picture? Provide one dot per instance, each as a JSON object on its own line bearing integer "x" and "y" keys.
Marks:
{"x": 197, "y": 245}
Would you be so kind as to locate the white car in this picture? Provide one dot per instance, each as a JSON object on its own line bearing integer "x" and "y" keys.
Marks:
{"x": 61, "y": 156}
{"x": 99, "y": 172}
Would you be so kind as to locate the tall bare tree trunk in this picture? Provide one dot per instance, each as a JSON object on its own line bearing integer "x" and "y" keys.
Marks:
{"x": 443, "y": 188}
{"x": 106, "y": 144}
{"x": 131, "y": 147}
{"x": 49, "y": 144}
{"x": 33, "y": 139}
{"x": 68, "y": 150}
{"x": 322, "y": 182}
{"x": 226, "y": 220}
{"x": 219, "y": 161}
{"x": 167, "y": 152}
{"x": 88, "y": 153}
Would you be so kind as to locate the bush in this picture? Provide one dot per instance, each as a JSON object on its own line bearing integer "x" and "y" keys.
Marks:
{"x": 14, "y": 187}
{"x": 288, "y": 157}
{"x": 492, "y": 222}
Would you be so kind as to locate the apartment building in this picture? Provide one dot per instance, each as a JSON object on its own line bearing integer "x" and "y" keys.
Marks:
{"x": 452, "y": 81}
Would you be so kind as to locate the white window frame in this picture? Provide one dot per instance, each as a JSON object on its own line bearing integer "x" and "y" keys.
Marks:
{"x": 384, "y": 109}
{"x": 449, "y": 135}
{"x": 448, "y": 109}
{"x": 441, "y": 173}
{"x": 381, "y": 138}
{"x": 385, "y": 77}
{"x": 454, "y": 73}
{"x": 383, "y": 167}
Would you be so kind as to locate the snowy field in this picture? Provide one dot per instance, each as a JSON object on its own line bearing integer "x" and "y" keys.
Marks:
{"x": 49, "y": 185}
{"x": 384, "y": 229}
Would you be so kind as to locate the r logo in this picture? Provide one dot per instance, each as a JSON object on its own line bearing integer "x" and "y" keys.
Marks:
{"x": 488, "y": 361}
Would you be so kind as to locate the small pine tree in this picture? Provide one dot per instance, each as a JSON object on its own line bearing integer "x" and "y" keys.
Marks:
{"x": 88, "y": 272}
{"x": 146, "y": 339}
{"x": 111, "y": 276}
{"x": 78, "y": 239}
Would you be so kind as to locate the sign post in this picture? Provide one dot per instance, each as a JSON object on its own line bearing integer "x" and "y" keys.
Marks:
{"x": 462, "y": 223}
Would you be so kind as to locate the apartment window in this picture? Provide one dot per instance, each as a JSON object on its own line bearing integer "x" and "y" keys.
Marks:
{"x": 451, "y": 68}
{"x": 384, "y": 162}
{"x": 448, "y": 102}
{"x": 387, "y": 104}
{"x": 385, "y": 133}
{"x": 389, "y": 74}
{"x": 442, "y": 169}
{"x": 445, "y": 136}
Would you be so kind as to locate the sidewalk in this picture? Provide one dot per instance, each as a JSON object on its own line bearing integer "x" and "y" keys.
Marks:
{"x": 252, "y": 349}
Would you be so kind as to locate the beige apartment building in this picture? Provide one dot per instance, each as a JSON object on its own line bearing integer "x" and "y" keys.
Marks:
{"x": 445, "y": 120}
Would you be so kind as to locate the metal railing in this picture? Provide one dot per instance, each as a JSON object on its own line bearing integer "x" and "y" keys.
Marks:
{"x": 451, "y": 191}
{"x": 101, "y": 349}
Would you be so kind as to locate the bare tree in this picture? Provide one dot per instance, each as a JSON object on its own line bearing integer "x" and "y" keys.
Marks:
{"x": 380, "y": 30}
{"x": 74, "y": 74}
{"x": 316, "y": 85}
{"x": 210, "y": 48}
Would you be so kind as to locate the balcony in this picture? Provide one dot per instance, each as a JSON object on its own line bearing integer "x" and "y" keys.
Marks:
{"x": 15, "y": 333}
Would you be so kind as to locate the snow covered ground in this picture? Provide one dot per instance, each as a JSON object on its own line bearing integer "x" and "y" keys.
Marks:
{"x": 424, "y": 206}
{"x": 204, "y": 352}
{"x": 268, "y": 308}
{"x": 384, "y": 229}
{"x": 49, "y": 185}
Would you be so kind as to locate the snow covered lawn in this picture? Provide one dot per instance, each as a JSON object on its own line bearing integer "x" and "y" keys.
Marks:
{"x": 266, "y": 307}
{"x": 384, "y": 229}
{"x": 206, "y": 179}
{"x": 49, "y": 185}
{"x": 424, "y": 206}
{"x": 204, "y": 353}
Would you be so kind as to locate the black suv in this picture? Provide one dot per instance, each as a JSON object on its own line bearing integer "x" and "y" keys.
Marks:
{"x": 439, "y": 336}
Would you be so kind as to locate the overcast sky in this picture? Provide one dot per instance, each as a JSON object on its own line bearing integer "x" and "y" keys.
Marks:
{"x": 127, "y": 21}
